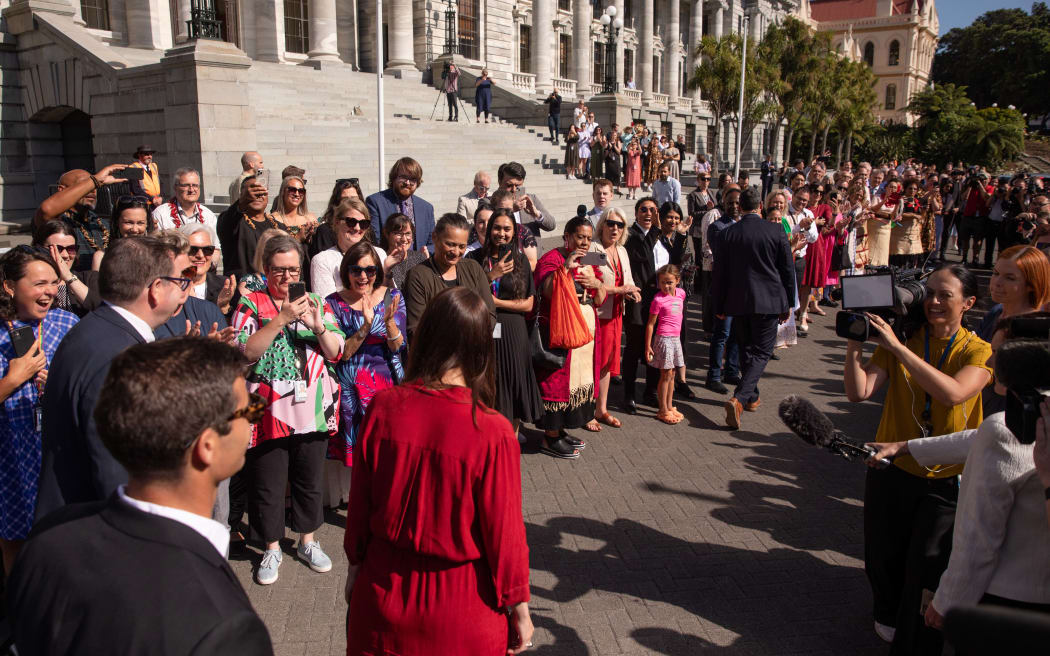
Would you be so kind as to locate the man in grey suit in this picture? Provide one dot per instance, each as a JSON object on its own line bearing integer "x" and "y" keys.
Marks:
{"x": 468, "y": 203}
{"x": 529, "y": 211}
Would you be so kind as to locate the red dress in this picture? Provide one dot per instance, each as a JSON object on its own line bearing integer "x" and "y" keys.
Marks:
{"x": 816, "y": 272}
{"x": 634, "y": 170}
{"x": 435, "y": 523}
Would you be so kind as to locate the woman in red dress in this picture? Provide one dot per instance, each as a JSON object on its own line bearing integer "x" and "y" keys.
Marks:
{"x": 633, "y": 168}
{"x": 435, "y": 535}
{"x": 816, "y": 270}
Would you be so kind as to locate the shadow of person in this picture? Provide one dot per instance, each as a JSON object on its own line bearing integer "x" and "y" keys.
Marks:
{"x": 665, "y": 641}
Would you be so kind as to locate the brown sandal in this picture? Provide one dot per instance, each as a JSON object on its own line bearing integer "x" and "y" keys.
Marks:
{"x": 593, "y": 423}
{"x": 608, "y": 420}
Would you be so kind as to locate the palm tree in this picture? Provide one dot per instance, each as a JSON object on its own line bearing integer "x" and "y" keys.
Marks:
{"x": 717, "y": 75}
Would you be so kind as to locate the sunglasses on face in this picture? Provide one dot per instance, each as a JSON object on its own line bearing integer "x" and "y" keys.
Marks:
{"x": 356, "y": 270}
{"x": 619, "y": 225}
{"x": 72, "y": 250}
{"x": 207, "y": 250}
{"x": 298, "y": 191}
{"x": 253, "y": 412}
{"x": 364, "y": 224}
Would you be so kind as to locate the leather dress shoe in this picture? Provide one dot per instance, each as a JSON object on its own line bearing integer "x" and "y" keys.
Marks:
{"x": 716, "y": 386}
{"x": 752, "y": 406}
{"x": 630, "y": 407}
{"x": 683, "y": 390}
{"x": 650, "y": 399}
{"x": 733, "y": 410}
{"x": 732, "y": 380}
{"x": 774, "y": 356}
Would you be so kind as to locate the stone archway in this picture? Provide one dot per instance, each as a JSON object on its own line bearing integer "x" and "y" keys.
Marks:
{"x": 59, "y": 139}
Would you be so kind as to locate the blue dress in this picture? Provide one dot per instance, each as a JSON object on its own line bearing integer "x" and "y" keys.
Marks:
{"x": 19, "y": 436}
{"x": 483, "y": 96}
{"x": 371, "y": 369}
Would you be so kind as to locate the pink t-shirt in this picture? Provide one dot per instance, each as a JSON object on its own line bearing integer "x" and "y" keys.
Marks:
{"x": 669, "y": 311}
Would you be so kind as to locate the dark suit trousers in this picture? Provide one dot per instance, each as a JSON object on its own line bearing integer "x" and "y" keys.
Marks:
{"x": 633, "y": 353}
{"x": 756, "y": 334}
{"x": 453, "y": 107}
{"x": 272, "y": 466}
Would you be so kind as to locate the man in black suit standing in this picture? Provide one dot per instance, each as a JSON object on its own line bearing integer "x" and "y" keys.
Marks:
{"x": 641, "y": 238}
{"x": 751, "y": 281}
{"x": 142, "y": 283}
{"x": 145, "y": 571}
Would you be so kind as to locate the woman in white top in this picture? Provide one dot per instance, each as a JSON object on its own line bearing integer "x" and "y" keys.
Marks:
{"x": 351, "y": 224}
{"x": 1000, "y": 553}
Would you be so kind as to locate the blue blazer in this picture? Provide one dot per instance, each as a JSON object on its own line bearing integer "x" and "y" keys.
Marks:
{"x": 75, "y": 464}
{"x": 193, "y": 310}
{"x": 384, "y": 203}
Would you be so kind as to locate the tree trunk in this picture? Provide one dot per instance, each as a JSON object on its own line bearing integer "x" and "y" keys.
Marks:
{"x": 787, "y": 144}
{"x": 715, "y": 162}
{"x": 838, "y": 153}
{"x": 774, "y": 136}
{"x": 824, "y": 139}
{"x": 849, "y": 146}
{"x": 812, "y": 147}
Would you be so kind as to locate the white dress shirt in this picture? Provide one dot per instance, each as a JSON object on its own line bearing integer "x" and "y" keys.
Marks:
{"x": 163, "y": 220}
{"x": 794, "y": 217}
{"x": 661, "y": 257}
{"x": 209, "y": 529}
{"x": 139, "y": 324}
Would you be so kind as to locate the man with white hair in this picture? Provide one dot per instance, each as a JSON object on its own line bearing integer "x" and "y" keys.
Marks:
{"x": 251, "y": 164}
{"x": 184, "y": 208}
{"x": 468, "y": 203}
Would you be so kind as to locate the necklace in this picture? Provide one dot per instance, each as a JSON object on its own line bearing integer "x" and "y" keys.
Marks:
{"x": 176, "y": 217}
{"x": 87, "y": 237}
{"x": 266, "y": 217}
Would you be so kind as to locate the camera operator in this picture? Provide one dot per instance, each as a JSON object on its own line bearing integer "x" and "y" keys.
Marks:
{"x": 1041, "y": 452}
{"x": 999, "y": 555}
{"x": 933, "y": 383}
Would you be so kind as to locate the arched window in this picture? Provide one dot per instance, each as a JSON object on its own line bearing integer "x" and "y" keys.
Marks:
{"x": 895, "y": 53}
{"x": 869, "y": 54}
{"x": 891, "y": 96}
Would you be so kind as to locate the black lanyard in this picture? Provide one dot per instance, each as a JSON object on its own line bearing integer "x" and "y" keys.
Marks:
{"x": 926, "y": 413}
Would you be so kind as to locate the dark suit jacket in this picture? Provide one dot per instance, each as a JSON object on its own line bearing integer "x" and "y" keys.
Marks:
{"x": 753, "y": 272}
{"x": 639, "y": 249}
{"x": 384, "y": 203}
{"x": 107, "y": 578}
{"x": 75, "y": 465}
{"x": 193, "y": 310}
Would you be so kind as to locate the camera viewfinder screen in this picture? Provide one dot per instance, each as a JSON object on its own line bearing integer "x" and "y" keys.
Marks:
{"x": 861, "y": 292}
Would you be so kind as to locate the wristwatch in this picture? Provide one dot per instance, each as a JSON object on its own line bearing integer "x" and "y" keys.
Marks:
{"x": 71, "y": 279}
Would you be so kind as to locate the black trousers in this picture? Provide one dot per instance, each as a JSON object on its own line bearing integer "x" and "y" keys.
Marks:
{"x": 707, "y": 313}
{"x": 554, "y": 126}
{"x": 947, "y": 223}
{"x": 272, "y": 466}
{"x": 993, "y": 234}
{"x": 756, "y": 335}
{"x": 453, "y": 106}
{"x": 633, "y": 354}
{"x": 908, "y": 524}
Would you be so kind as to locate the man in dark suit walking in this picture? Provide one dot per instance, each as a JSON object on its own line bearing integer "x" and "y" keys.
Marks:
{"x": 406, "y": 175}
{"x": 141, "y": 283}
{"x": 145, "y": 572}
{"x": 751, "y": 282}
{"x": 641, "y": 238}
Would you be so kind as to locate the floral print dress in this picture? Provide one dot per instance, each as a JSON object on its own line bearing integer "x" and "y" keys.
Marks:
{"x": 369, "y": 370}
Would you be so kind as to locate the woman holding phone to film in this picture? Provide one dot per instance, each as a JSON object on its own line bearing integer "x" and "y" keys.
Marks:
{"x": 292, "y": 338}
{"x": 33, "y": 329}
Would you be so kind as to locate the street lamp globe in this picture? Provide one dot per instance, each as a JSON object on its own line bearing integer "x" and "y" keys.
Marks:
{"x": 618, "y": 23}
{"x": 610, "y": 11}
{"x": 604, "y": 20}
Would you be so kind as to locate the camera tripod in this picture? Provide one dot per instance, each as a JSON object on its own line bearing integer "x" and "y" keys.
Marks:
{"x": 441, "y": 96}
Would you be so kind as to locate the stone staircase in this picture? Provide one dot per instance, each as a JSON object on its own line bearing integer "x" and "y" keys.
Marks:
{"x": 325, "y": 122}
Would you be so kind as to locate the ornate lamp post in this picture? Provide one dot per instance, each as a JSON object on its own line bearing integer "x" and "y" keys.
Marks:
{"x": 450, "y": 29}
{"x": 613, "y": 26}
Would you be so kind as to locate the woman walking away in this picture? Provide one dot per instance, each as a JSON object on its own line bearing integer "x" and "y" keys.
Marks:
{"x": 434, "y": 533}
{"x": 665, "y": 351}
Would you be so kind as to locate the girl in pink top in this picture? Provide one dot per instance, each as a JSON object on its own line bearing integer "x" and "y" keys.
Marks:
{"x": 665, "y": 351}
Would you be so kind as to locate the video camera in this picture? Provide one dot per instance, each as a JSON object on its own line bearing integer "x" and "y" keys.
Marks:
{"x": 894, "y": 294}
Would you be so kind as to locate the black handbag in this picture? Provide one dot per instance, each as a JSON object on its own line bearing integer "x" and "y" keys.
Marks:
{"x": 840, "y": 259}
{"x": 545, "y": 358}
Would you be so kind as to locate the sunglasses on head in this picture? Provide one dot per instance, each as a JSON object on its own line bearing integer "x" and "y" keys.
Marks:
{"x": 356, "y": 270}
{"x": 132, "y": 201}
{"x": 350, "y": 181}
{"x": 364, "y": 224}
{"x": 254, "y": 412}
{"x": 207, "y": 250}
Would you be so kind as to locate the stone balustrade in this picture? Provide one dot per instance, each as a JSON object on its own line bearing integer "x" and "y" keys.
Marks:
{"x": 566, "y": 88}
{"x": 633, "y": 96}
{"x": 524, "y": 82}
{"x": 660, "y": 99}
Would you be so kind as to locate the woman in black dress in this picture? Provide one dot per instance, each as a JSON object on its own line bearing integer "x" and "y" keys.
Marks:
{"x": 612, "y": 161}
{"x": 513, "y": 291}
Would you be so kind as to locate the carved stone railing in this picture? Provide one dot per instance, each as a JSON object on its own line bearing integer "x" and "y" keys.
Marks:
{"x": 523, "y": 82}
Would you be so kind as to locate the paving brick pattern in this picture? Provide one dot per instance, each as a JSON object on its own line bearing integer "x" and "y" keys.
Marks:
{"x": 663, "y": 539}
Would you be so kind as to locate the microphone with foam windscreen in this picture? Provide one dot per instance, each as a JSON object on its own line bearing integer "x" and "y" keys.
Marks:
{"x": 581, "y": 210}
{"x": 814, "y": 427}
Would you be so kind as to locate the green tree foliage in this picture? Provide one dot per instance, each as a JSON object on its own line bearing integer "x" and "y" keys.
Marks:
{"x": 881, "y": 143}
{"x": 1003, "y": 57}
{"x": 949, "y": 127}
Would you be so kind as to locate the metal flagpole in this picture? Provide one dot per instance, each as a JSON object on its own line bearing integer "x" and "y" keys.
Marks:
{"x": 740, "y": 112}
{"x": 379, "y": 91}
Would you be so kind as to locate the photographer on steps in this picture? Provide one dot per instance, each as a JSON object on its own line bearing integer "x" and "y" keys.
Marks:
{"x": 933, "y": 383}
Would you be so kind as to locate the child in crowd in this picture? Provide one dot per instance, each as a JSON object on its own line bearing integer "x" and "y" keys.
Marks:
{"x": 665, "y": 351}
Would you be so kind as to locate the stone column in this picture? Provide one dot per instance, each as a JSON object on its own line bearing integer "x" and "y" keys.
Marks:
{"x": 324, "y": 44}
{"x": 645, "y": 52}
{"x": 399, "y": 30}
{"x": 269, "y": 30}
{"x": 582, "y": 46}
{"x": 619, "y": 75}
{"x": 719, "y": 18}
{"x": 671, "y": 49}
{"x": 696, "y": 35}
{"x": 149, "y": 24}
{"x": 754, "y": 23}
{"x": 543, "y": 45}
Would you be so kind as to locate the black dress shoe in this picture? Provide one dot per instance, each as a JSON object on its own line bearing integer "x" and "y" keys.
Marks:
{"x": 716, "y": 386}
{"x": 827, "y": 302}
{"x": 731, "y": 380}
{"x": 683, "y": 390}
{"x": 650, "y": 399}
{"x": 630, "y": 407}
{"x": 616, "y": 380}
{"x": 774, "y": 356}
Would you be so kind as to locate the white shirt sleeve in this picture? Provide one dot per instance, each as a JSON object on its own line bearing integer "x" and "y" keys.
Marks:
{"x": 323, "y": 275}
{"x": 942, "y": 449}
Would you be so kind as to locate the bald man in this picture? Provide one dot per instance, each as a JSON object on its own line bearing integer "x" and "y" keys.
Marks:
{"x": 74, "y": 203}
{"x": 468, "y": 202}
{"x": 251, "y": 164}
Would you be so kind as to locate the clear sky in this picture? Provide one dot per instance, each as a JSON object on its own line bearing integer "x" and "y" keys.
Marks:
{"x": 960, "y": 13}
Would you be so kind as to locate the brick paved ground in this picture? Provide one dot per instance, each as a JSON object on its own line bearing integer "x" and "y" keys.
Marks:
{"x": 668, "y": 540}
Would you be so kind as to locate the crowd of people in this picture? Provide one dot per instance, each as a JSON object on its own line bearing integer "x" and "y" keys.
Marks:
{"x": 267, "y": 361}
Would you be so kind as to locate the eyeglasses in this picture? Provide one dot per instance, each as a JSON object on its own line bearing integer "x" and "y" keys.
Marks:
{"x": 253, "y": 412}
{"x": 356, "y": 270}
{"x": 72, "y": 250}
{"x": 187, "y": 185}
{"x": 364, "y": 224}
{"x": 705, "y": 178}
{"x": 619, "y": 225}
{"x": 284, "y": 271}
{"x": 842, "y": 188}
{"x": 183, "y": 283}
{"x": 298, "y": 191}
{"x": 353, "y": 182}
{"x": 207, "y": 250}
{"x": 406, "y": 180}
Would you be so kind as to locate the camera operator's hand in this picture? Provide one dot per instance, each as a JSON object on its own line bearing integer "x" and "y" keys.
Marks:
{"x": 884, "y": 450}
{"x": 883, "y": 333}
{"x": 1041, "y": 450}
{"x": 934, "y": 620}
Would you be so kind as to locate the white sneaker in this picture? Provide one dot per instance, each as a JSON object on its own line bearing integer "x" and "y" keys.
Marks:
{"x": 267, "y": 572}
{"x": 885, "y": 632}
